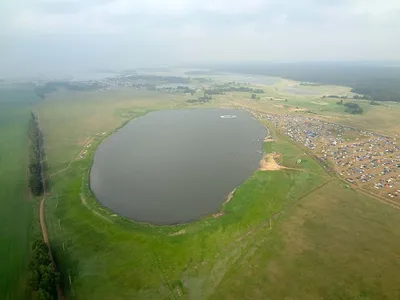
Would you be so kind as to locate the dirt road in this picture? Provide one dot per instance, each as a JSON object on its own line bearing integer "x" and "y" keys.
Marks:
{"x": 43, "y": 221}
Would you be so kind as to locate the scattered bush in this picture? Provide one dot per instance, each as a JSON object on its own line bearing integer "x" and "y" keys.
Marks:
{"x": 353, "y": 108}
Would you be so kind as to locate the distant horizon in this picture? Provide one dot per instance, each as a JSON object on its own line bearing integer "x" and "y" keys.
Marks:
{"x": 65, "y": 36}
{"x": 200, "y": 65}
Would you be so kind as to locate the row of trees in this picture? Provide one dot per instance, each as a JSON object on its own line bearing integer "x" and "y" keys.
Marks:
{"x": 35, "y": 157}
{"x": 42, "y": 278}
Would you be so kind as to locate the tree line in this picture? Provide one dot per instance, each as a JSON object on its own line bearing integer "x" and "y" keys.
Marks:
{"x": 42, "y": 278}
{"x": 201, "y": 99}
{"x": 35, "y": 157}
{"x": 374, "y": 82}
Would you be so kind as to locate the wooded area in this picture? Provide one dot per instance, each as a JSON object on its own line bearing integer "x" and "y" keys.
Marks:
{"x": 35, "y": 157}
{"x": 43, "y": 278}
{"x": 353, "y": 108}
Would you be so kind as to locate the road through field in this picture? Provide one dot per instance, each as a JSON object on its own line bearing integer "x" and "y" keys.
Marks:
{"x": 43, "y": 221}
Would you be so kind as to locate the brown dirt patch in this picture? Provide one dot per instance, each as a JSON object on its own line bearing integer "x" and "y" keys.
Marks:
{"x": 268, "y": 163}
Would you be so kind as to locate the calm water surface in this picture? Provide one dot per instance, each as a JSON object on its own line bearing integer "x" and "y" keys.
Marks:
{"x": 176, "y": 166}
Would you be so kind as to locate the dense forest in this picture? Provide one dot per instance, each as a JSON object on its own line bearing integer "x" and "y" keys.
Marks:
{"x": 376, "y": 82}
{"x": 43, "y": 278}
{"x": 35, "y": 157}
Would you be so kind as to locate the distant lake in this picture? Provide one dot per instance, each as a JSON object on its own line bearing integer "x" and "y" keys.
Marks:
{"x": 250, "y": 79}
{"x": 176, "y": 166}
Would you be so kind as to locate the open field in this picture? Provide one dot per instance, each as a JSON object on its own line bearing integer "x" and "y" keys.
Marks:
{"x": 16, "y": 205}
{"x": 80, "y": 116}
{"x": 129, "y": 249}
{"x": 333, "y": 244}
{"x": 295, "y": 233}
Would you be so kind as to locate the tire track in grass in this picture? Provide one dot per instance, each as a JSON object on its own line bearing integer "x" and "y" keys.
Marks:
{"x": 162, "y": 274}
{"x": 263, "y": 224}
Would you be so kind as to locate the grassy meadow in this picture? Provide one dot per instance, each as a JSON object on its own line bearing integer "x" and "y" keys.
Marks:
{"x": 295, "y": 233}
{"x": 16, "y": 205}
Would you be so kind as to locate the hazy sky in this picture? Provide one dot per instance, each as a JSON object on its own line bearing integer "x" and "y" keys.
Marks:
{"x": 43, "y": 35}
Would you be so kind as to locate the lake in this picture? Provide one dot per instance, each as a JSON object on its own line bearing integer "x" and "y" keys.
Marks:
{"x": 176, "y": 166}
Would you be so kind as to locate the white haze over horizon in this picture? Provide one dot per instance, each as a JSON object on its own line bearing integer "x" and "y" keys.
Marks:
{"x": 65, "y": 36}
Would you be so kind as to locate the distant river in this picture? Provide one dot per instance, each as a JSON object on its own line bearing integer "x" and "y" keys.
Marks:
{"x": 176, "y": 166}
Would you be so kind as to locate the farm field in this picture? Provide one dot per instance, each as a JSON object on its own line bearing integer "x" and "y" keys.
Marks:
{"x": 295, "y": 233}
{"x": 16, "y": 205}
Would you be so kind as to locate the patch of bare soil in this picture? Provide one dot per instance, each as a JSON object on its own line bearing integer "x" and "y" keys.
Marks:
{"x": 269, "y": 139}
{"x": 228, "y": 198}
{"x": 180, "y": 232}
{"x": 268, "y": 163}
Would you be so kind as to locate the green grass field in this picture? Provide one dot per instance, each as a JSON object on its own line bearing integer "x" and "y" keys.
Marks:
{"x": 297, "y": 233}
{"x": 16, "y": 206}
{"x": 294, "y": 234}
{"x": 102, "y": 249}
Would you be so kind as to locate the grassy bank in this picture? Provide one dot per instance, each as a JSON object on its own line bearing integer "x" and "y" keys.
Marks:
{"x": 295, "y": 233}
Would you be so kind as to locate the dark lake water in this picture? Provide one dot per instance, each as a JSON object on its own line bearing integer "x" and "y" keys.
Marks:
{"x": 176, "y": 166}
